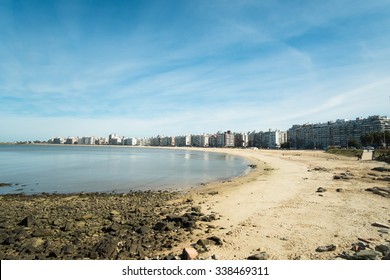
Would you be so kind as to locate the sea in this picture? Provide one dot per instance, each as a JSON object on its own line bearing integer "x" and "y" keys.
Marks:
{"x": 34, "y": 169}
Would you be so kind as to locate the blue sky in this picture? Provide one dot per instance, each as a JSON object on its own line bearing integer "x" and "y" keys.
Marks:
{"x": 142, "y": 68}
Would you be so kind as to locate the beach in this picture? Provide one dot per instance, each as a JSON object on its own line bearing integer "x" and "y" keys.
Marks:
{"x": 291, "y": 205}
{"x": 295, "y": 202}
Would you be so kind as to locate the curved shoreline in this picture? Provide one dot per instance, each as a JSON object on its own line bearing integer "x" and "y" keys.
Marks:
{"x": 277, "y": 209}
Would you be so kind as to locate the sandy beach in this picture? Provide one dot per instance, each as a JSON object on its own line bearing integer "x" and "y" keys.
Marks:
{"x": 279, "y": 209}
{"x": 292, "y": 205}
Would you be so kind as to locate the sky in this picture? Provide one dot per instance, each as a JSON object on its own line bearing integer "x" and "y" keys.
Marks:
{"x": 176, "y": 67}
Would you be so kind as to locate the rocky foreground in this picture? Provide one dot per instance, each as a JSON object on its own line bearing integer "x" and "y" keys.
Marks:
{"x": 139, "y": 225}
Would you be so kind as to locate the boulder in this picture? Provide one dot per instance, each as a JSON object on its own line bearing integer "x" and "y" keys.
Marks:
{"x": 367, "y": 255}
{"x": 105, "y": 249}
{"x": 27, "y": 222}
{"x": 189, "y": 253}
{"x": 41, "y": 233}
{"x": 259, "y": 257}
{"x": 327, "y": 248}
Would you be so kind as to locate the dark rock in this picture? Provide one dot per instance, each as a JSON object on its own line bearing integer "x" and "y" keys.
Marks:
{"x": 358, "y": 246}
{"x": 260, "y": 256}
{"x": 105, "y": 249}
{"x": 384, "y": 249}
{"x": 142, "y": 230}
{"x": 27, "y": 222}
{"x": 205, "y": 243}
{"x": 380, "y": 225}
{"x": 9, "y": 240}
{"x": 217, "y": 240}
{"x": 68, "y": 249}
{"x": 41, "y": 233}
{"x": 381, "y": 169}
{"x": 367, "y": 255}
{"x": 160, "y": 226}
{"x": 320, "y": 190}
{"x": 197, "y": 209}
{"x": 327, "y": 248}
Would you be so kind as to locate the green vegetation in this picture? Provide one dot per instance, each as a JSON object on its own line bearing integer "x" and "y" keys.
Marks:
{"x": 382, "y": 155}
{"x": 345, "y": 152}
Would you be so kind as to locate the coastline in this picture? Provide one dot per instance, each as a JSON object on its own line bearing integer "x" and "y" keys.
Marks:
{"x": 275, "y": 210}
{"x": 291, "y": 205}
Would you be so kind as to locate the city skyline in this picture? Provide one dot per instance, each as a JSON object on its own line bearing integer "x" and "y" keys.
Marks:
{"x": 184, "y": 67}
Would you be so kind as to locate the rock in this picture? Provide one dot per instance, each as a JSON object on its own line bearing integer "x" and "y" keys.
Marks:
{"x": 27, "y": 222}
{"x": 35, "y": 242}
{"x": 320, "y": 190}
{"x": 41, "y": 233}
{"x": 205, "y": 243}
{"x": 358, "y": 246}
{"x": 260, "y": 256}
{"x": 87, "y": 216}
{"x": 80, "y": 224}
{"x": 367, "y": 255}
{"x": 115, "y": 213}
{"x": 160, "y": 226}
{"x": 197, "y": 209}
{"x": 189, "y": 253}
{"x": 327, "y": 248}
{"x": 68, "y": 226}
{"x": 105, "y": 249}
{"x": 217, "y": 240}
{"x": 384, "y": 249}
{"x": 68, "y": 249}
{"x": 380, "y": 225}
{"x": 142, "y": 230}
{"x": 9, "y": 240}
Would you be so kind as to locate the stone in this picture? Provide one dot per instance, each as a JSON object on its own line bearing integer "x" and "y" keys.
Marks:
{"x": 87, "y": 216}
{"x": 327, "y": 248}
{"x": 197, "y": 209}
{"x": 259, "y": 257}
{"x": 367, "y": 255}
{"x": 27, "y": 222}
{"x": 68, "y": 249}
{"x": 106, "y": 248}
{"x": 189, "y": 253}
{"x": 320, "y": 190}
{"x": 115, "y": 213}
{"x": 380, "y": 225}
{"x": 217, "y": 240}
{"x": 142, "y": 230}
{"x": 160, "y": 226}
{"x": 384, "y": 249}
{"x": 80, "y": 224}
{"x": 358, "y": 246}
{"x": 205, "y": 243}
{"x": 41, "y": 233}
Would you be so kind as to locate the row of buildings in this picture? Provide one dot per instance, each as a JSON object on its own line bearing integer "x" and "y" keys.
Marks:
{"x": 335, "y": 133}
{"x": 305, "y": 136}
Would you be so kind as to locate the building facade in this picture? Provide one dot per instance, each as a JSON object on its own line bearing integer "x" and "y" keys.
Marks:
{"x": 335, "y": 133}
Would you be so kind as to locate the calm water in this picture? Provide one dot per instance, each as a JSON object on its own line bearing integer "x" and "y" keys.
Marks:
{"x": 68, "y": 169}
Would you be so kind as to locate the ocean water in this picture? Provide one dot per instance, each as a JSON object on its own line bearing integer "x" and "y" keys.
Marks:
{"x": 68, "y": 169}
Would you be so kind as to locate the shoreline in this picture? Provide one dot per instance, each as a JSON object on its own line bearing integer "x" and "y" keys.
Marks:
{"x": 277, "y": 210}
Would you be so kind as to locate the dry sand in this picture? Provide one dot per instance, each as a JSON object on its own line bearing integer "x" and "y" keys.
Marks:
{"x": 276, "y": 208}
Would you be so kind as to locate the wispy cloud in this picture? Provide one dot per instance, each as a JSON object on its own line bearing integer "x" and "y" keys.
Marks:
{"x": 183, "y": 67}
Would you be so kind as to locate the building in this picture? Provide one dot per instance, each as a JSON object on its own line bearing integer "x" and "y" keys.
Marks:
{"x": 335, "y": 133}
{"x": 183, "y": 141}
{"x": 114, "y": 139}
{"x": 130, "y": 141}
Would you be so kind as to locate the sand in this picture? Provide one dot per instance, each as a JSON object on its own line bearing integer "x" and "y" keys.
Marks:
{"x": 276, "y": 207}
